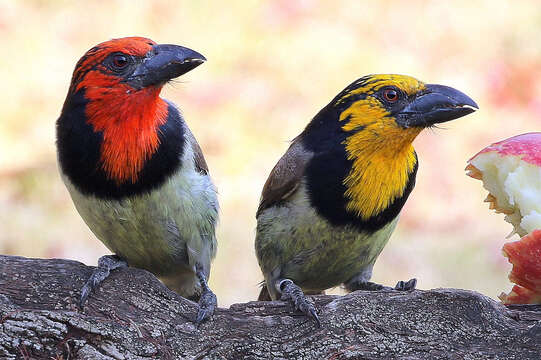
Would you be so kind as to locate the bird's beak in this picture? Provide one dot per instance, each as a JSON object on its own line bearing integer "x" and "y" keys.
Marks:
{"x": 163, "y": 63}
{"x": 435, "y": 104}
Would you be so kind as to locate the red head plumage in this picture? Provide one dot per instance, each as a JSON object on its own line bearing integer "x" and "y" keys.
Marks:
{"x": 121, "y": 80}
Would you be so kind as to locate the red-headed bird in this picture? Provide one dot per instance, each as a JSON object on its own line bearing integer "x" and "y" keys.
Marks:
{"x": 134, "y": 170}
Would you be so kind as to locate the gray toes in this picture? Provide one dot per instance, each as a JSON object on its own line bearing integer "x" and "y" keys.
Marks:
{"x": 407, "y": 285}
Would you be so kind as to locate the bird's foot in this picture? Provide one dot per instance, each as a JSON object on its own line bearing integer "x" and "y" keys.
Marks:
{"x": 293, "y": 293}
{"x": 105, "y": 265}
{"x": 207, "y": 301}
{"x": 207, "y": 305}
{"x": 365, "y": 285}
{"x": 371, "y": 286}
{"x": 406, "y": 285}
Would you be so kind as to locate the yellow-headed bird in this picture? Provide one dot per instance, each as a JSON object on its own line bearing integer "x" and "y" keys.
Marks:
{"x": 333, "y": 200}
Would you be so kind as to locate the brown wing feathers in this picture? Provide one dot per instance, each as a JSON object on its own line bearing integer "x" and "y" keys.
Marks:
{"x": 198, "y": 158}
{"x": 285, "y": 177}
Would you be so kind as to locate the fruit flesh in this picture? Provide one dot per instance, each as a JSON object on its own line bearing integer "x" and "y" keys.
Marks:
{"x": 511, "y": 172}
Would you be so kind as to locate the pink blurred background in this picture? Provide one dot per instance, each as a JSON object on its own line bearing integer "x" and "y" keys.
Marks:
{"x": 272, "y": 65}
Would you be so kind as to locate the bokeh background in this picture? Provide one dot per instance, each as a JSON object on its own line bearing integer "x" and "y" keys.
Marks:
{"x": 272, "y": 65}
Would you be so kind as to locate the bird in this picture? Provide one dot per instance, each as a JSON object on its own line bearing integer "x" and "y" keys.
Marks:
{"x": 134, "y": 170}
{"x": 332, "y": 201}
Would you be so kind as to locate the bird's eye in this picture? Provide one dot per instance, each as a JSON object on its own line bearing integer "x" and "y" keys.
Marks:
{"x": 120, "y": 61}
{"x": 390, "y": 95}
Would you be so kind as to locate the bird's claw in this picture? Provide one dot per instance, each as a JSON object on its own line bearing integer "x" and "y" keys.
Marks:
{"x": 313, "y": 315}
{"x": 293, "y": 293}
{"x": 105, "y": 265}
{"x": 207, "y": 300}
{"x": 207, "y": 305}
{"x": 366, "y": 286}
{"x": 406, "y": 285}
{"x": 85, "y": 291}
{"x": 371, "y": 286}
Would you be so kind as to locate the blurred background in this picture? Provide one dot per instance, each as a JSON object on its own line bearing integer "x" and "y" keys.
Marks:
{"x": 271, "y": 66}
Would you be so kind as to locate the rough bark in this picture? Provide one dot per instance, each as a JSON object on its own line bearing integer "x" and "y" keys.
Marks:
{"x": 133, "y": 316}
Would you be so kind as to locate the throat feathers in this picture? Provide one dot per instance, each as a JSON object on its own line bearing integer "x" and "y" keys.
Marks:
{"x": 130, "y": 130}
{"x": 382, "y": 165}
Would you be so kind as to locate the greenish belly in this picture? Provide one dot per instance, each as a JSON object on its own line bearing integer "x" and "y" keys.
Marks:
{"x": 142, "y": 238}
{"x": 153, "y": 231}
{"x": 313, "y": 253}
{"x": 343, "y": 254}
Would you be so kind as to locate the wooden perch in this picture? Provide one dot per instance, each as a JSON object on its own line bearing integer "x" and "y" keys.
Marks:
{"x": 133, "y": 316}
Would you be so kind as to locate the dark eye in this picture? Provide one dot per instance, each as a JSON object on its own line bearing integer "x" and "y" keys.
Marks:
{"x": 120, "y": 61}
{"x": 390, "y": 95}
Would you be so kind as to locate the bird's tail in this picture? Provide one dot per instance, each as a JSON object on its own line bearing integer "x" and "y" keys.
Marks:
{"x": 264, "y": 293}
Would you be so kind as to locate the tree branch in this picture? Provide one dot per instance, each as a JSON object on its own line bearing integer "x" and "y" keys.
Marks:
{"x": 133, "y": 316}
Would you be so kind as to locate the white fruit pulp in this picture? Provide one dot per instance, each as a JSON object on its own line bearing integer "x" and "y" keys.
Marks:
{"x": 516, "y": 185}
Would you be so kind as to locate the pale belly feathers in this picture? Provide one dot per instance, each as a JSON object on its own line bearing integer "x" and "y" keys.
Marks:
{"x": 165, "y": 231}
{"x": 294, "y": 242}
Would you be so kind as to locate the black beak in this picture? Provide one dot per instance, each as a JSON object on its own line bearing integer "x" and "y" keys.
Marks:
{"x": 163, "y": 63}
{"x": 436, "y": 104}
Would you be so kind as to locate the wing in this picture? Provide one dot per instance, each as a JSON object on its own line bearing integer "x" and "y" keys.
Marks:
{"x": 198, "y": 158}
{"x": 286, "y": 176}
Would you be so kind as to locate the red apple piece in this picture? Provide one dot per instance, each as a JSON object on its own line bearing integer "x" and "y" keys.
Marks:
{"x": 511, "y": 172}
{"x": 525, "y": 255}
